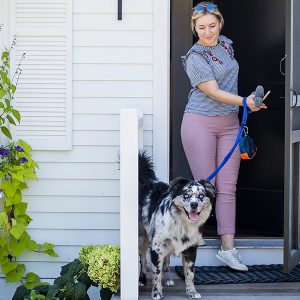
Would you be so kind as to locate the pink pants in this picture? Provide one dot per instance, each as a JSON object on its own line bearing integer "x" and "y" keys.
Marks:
{"x": 206, "y": 141}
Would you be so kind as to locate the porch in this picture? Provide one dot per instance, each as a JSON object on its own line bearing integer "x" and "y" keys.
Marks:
{"x": 257, "y": 291}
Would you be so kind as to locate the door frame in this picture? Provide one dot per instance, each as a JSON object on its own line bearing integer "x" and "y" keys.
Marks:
{"x": 161, "y": 90}
{"x": 292, "y": 140}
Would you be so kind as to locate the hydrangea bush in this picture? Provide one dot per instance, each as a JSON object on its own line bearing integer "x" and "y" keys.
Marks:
{"x": 103, "y": 265}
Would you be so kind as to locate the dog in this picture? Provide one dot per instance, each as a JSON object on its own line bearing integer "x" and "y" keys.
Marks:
{"x": 171, "y": 218}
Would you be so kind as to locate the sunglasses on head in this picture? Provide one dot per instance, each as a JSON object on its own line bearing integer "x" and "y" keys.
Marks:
{"x": 205, "y": 7}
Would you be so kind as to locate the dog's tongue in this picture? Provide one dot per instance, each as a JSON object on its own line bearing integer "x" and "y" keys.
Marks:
{"x": 193, "y": 216}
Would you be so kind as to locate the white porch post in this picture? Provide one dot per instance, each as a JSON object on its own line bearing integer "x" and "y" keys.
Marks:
{"x": 130, "y": 132}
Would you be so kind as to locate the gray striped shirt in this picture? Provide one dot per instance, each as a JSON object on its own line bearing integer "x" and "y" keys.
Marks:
{"x": 202, "y": 64}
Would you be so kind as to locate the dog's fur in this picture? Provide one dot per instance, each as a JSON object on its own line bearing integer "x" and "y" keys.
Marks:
{"x": 170, "y": 222}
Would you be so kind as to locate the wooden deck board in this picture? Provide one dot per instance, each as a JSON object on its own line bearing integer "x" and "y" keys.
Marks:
{"x": 292, "y": 288}
{"x": 246, "y": 291}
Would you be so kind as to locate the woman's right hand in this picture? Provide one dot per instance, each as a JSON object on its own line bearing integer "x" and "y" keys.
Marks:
{"x": 251, "y": 104}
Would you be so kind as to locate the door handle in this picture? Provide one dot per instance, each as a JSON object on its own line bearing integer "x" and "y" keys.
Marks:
{"x": 295, "y": 96}
{"x": 280, "y": 65}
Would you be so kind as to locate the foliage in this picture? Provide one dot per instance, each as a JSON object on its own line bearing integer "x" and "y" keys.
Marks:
{"x": 8, "y": 114}
{"x": 71, "y": 285}
{"x": 75, "y": 277}
{"x": 16, "y": 167}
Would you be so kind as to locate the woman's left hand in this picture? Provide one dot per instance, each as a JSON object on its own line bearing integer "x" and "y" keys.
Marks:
{"x": 251, "y": 104}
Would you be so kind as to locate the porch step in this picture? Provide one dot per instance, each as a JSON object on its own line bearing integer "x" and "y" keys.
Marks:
{"x": 253, "y": 252}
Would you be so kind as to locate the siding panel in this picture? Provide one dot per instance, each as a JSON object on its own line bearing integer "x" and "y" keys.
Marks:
{"x": 109, "y": 38}
{"x": 104, "y": 6}
{"x": 110, "y": 22}
{"x": 72, "y": 204}
{"x": 113, "y": 55}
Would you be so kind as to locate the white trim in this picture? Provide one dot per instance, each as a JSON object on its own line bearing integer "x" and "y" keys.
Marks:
{"x": 129, "y": 147}
{"x": 161, "y": 87}
{"x": 69, "y": 78}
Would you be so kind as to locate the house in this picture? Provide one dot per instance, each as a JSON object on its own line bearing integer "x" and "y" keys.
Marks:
{"x": 85, "y": 61}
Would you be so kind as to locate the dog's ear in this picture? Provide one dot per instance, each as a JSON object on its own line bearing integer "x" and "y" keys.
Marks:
{"x": 210, "y": 188}
{"x": 176, "y": 185}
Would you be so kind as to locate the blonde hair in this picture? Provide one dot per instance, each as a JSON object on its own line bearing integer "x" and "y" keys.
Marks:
{"x": 196, "y": 16}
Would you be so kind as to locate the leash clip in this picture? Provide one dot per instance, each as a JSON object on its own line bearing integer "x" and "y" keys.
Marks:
{"x": 245, "y": 128}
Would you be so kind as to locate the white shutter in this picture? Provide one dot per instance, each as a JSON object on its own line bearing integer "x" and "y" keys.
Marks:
{"x": 43, "y": 30}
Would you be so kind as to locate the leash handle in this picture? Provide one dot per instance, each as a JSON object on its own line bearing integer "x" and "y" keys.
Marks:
{"x": 237, "y": 140}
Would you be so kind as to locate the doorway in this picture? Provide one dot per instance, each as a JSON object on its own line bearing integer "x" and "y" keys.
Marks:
{"x": 257, "y": 29}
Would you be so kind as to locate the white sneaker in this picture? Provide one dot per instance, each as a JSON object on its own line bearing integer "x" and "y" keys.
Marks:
{"x": 232, "y": 258}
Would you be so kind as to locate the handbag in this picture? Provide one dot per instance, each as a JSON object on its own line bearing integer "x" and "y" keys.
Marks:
{"x": 248, "y": 148}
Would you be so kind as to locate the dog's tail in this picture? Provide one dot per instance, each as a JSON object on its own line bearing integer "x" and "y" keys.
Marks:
{"x": 146, "y": 168}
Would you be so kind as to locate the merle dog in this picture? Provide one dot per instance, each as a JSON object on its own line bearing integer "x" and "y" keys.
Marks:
{"x": 170, "y": 223}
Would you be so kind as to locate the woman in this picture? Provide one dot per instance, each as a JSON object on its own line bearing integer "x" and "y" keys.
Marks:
{"x": 210, "y": 122}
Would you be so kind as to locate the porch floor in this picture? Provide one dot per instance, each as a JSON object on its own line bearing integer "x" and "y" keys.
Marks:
{"x": 249, "y": 291}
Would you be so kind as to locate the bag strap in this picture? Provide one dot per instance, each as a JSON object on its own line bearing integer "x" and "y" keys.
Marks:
{"x": 237, "y": 140}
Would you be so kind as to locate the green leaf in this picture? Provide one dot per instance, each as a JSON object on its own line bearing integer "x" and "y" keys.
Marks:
{"x": 8, "y": 267}
{"x": 61, "y": 281}
{"x": 32, "y": 280}
{"x": 3, "y": 218}
{"x": 18, "y": 176}
{"x": 8, "y": 188}
{"x": 20, "y": 293}
{"x": 10, "y": 120}
{"x": 16, "y": 274}
{"x": 17, "y": 246}
{"x": 16, "y": 114}
{"x": 13, "y": 88}
{"x": 1, "y": 106}
{"x": 20, "y": 208}
{"x": 51, "y": 253}
{"x": 2, "y": 94}
{"x": 4, "y": 55}
{"x": 53, "y": 290}
{"x": 75, "y": 291}
{"x": 18, "y": 230}
{"x": 86, "y": 280}
{"x": 7, "y": 102}
{"x": 6, "y": 132}
{"x": 105, "y": 294}
{"x": 43, "y": 288}
{"x": 32, "y": 245}
{"x": 3, "y": 242}
{"x": 71, "y": 268}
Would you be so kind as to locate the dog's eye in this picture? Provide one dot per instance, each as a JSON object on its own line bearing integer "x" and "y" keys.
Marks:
{"x": 185, "y": 196}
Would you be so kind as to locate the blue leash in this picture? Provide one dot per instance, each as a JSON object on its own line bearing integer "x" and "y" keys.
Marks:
{"x": 237, "y": 140}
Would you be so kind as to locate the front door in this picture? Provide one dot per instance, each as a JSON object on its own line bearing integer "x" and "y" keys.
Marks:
{"x": 258, "y": 33}
{"x": 292, "y": 137}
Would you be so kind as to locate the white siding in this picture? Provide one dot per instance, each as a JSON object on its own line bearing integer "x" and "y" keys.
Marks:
{"x": 76, "y": 199}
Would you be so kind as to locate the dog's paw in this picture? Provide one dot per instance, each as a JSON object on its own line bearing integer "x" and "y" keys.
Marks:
{"x": 193, "y": 294}
{"x": 142, "y": 279}
{"x": 169, "y": 282}
{"x": 157, "y": 295}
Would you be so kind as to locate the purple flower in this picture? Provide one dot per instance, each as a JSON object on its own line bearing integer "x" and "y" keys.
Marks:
{"x": 4, "y": 152}
{"x": 20, "y": 149}
{"x": 24, "y": 159}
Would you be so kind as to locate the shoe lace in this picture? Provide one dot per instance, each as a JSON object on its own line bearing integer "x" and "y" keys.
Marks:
{"x": 236, "y": 255}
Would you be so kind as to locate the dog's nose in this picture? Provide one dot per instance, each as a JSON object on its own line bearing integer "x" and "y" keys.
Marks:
{"x": 194, "y": 205}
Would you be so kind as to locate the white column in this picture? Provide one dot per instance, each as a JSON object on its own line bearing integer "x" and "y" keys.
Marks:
{"x": 129, "y": 145}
